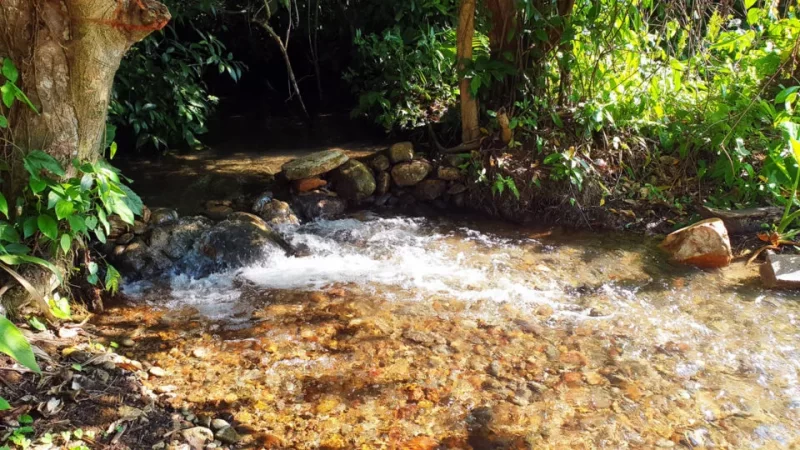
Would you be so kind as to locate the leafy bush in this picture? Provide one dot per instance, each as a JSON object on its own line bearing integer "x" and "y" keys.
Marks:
{"x": 404, "y": 80}
{"x": 159, "y": 91}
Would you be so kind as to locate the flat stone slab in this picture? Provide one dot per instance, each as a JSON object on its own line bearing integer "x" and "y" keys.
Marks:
{"x": 314, "y": 164}
{"x": 781, "y": 271}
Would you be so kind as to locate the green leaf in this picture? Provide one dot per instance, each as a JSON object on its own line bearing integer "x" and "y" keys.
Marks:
{"x": 37, "y": 324}
{"x": 749, "y": 4}
{"x": 131, "y": 199}
{"x": 4, "y": 406}
{"x": 92, "y": 267}
{"x": 475, "y": 85}
{"x": 37, "y": 160}
{"x": 112, "y": 150}
{"x": 29, "y": 227}
{"x": 48, "y": 226}
{"x": 3, "y": 121}
{"x": 37, "y": 185}
{"x": 3, "y": 205}
{"x": 76, "y": 223}
{"x": 113, "y": 278}
{"x": 10, "y": 70}
{"x": 91, "y": 222}
{"x": 60, "y": 307}
{"x": 14, "y": 344}
{"x": 8, "y": 94}
{"x": 86, "y": 182}
{"x": 64, "y": 209}
{"x": 78, "y": 368}
{"x": 66, "y": 243}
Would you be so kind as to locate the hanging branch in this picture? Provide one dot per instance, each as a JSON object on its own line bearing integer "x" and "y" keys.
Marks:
{"x": 283, "y": 45}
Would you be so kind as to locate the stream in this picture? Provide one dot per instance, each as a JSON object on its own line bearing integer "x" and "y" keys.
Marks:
{"x": 408, "y": 332}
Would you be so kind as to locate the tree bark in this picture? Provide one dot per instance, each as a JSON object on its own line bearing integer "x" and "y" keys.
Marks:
{"x": 68, "y": 52}
{"x": 470, "y": 130}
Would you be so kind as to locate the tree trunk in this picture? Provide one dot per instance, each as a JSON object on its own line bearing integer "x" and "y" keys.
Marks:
{"x": 504, "y": 24}
{"x": 470, "y": 130}
{"x": 68, "y": 52}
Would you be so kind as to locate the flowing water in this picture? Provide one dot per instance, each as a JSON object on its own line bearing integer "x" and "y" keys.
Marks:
{"x": 401, "y": 332}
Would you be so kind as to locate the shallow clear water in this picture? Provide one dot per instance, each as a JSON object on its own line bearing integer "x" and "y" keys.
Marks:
{"x": 477, "y": 334}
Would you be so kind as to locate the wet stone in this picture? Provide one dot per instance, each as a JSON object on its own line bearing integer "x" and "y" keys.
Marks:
{"x": 781, "y": 271}
{"x": 400, "y": 152}
{"x": 228, "y": 435}
{"x": 380, "y": 163}
{"x": 314, "y": 164}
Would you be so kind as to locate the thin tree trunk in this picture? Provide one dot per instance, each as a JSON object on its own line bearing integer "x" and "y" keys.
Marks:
{"x": 470, "y": 130}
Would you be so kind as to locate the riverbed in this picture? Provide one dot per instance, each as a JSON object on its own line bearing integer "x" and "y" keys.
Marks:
{"x": 394, "y": 331}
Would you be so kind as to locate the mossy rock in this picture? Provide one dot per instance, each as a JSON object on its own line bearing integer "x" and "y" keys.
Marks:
{"x": 314, "y": 164}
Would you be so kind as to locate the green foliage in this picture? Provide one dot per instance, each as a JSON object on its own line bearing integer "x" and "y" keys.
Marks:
{"x": 503, "y": 183}
{"x": 14, "y": 344}
{"x": 404, "y": 79}
{"x": 159, "y": 91}
{"x": 9, "y": 91}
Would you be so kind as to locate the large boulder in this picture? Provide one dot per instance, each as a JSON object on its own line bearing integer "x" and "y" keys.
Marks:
{"x": 354, "y": 181}
{"x": 314, "y": 164}
{"x": 400, "y": 152}
{"x": 704, "y": 244}
{"x": 319, "y": 205}
{"x": 234, "y": 242}
{"x": 175, "y": 240}
{"x": 138, "y": 260}
{"x": 410, "y": 173}
{"x": 781, "y": 271}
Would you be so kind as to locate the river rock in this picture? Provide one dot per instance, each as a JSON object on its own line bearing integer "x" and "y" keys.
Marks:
{"x": 430, "y": 190}
{"x": 456, "y": 188}
{"x": 218, "y": 209}
{"x": 380, "y": 163}
{"x": 197, "y": 437}
{"x": 139, "y": 227}
{"x": 176, "y": 239}
{"x": 704, "y": 244}
{"x": 138, "y": 260}
{"x": 383, "y": 183}
{"x": 448, "y": 173}
{"x": 314, "y": 164}
{"x": 400, "y": 152}
{"x": 261, "y": 202}
{"x": 308, "y": 184}
{"x": 410, "y": 173}
{"x": 354, "y": 181}
{"x": 318, "y": 205}
{"x": 277, "y": 212}
{"x": 781, "y": 271}
{"x": 117, "y": 227}
{"x": 228, "y": 435}
{"x": 234, "y": 242}
{"x": 161, "y": 216}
